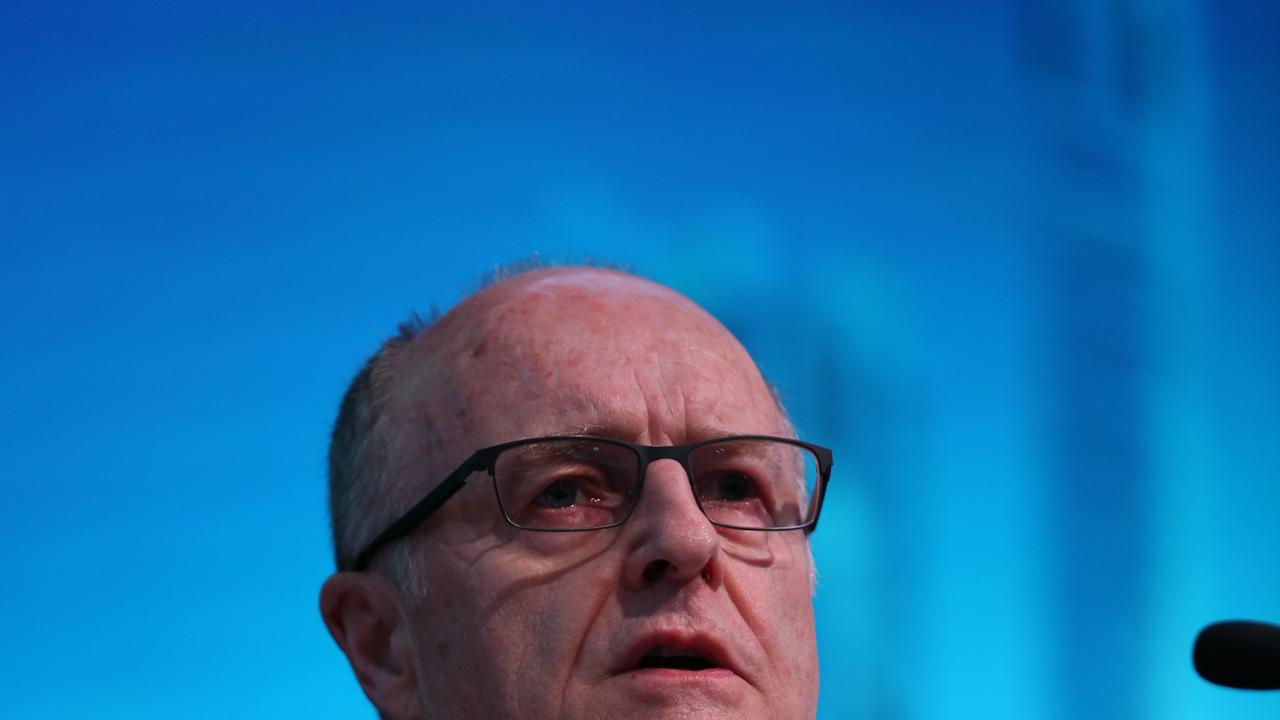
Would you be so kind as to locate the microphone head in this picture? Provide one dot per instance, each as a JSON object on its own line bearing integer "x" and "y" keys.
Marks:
{"x": 1239, "y": 654}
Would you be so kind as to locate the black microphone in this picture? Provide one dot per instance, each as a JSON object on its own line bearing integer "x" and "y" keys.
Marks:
{"x": 1239, "y": 654}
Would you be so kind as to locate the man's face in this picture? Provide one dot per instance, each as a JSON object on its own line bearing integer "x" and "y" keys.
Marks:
{"x": 515, "y": 623}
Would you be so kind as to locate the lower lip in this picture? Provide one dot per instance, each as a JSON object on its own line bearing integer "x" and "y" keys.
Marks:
{"x": 678, "y": 673}
{"x": 658, "y": 679}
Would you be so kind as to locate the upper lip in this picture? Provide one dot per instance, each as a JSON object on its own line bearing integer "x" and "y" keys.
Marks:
{"x": 695, "y": 644}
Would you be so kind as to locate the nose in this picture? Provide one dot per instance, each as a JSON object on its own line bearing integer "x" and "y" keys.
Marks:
{"x": 670, "y": 539}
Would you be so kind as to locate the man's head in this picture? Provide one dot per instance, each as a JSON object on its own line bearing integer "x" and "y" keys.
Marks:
{"x": 468, "y": 616}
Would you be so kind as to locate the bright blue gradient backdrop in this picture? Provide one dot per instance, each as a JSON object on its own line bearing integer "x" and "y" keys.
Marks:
{"x": 1014, "y": 262}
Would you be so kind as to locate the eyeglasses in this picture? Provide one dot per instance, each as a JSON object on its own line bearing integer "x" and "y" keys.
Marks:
{"x": 576, "y": 483}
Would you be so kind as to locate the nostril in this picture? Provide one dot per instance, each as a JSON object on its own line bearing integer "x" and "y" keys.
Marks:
{"x": 655, "y": 570}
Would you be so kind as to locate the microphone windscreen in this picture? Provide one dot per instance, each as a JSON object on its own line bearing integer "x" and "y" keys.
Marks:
{"x": 1239, "y": 654}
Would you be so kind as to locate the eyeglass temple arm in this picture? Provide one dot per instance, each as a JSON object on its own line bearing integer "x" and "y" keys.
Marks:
{"x": 419, "y": 512}
{"x": 825, "y": 464}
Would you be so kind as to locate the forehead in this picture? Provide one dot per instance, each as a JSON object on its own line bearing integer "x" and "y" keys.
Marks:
{"x": 556, "y": 350}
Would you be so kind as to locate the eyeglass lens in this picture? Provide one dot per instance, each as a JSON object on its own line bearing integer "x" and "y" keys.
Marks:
{"x": 578, "y": 484}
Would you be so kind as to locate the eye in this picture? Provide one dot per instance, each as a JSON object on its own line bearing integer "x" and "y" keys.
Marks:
{"x": 562, "y": 493}
{"x": 730, "y": 486}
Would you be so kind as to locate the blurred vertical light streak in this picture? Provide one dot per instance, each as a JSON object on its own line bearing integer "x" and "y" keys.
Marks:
{"x": 1117, "y": 88}
{"x": 1177, "y": 184}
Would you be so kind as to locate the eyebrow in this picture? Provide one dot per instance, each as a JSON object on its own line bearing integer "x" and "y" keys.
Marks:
{"x": 545, "y": 451}
{"x": 613, "y": 430}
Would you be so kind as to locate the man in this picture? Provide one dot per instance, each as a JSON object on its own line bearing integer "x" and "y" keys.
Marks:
{"x": 613, "y": 551}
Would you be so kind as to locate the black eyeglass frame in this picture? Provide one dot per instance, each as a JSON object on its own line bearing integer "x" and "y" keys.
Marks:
{"x": 485, "y": 459}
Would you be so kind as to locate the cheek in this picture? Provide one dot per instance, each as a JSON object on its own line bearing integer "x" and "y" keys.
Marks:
{"x": 796, "y": 592}
{"x": 538, "y": 604}
{"x": 540, "y": 629}
{"x": 799, "y": 643}
{"x": 777, "y": 604}
{"x": 788, "y": 636}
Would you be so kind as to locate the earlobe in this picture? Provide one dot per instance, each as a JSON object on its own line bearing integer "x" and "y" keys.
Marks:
{"x": 363, "y": 612}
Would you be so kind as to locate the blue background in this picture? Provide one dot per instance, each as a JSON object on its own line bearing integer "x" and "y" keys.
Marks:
{"x": 1013, "y": 261}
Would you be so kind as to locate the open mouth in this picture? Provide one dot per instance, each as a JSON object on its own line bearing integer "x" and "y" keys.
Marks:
{"x": 674, "y": 658}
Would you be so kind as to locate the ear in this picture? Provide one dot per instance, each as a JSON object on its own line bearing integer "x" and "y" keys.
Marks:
{"x": 363, "y": 612}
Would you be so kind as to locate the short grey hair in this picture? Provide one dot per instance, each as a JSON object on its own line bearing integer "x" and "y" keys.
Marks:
{"x": 360, "y": 448}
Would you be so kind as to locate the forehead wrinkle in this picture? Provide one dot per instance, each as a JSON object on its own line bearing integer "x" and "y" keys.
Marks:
{"x": 674, "y": 407}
